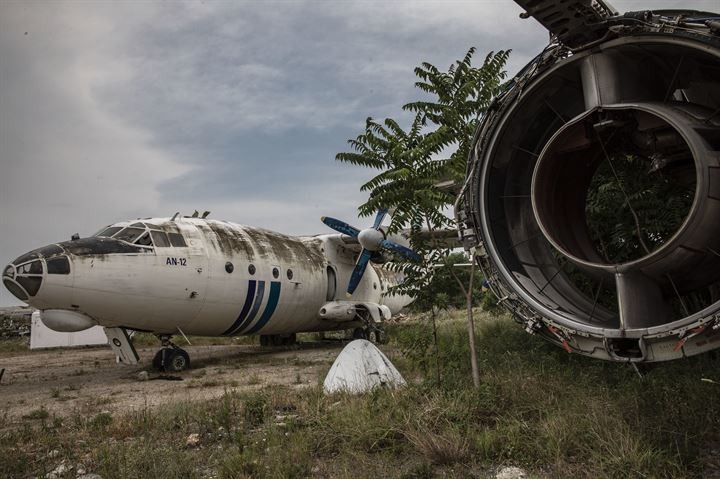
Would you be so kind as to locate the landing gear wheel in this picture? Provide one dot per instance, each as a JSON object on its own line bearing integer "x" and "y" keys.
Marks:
{"x": 380, "y": 336}
{"x": 171, "y": 360}
{"x": 157, "y": 362}
{"x": 176, "y": 360}
{"x": 360, "y": 333}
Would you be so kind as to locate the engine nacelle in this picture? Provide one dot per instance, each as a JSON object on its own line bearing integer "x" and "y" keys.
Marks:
{"x": 344, "y": 311}
{"x": 592, "y": 197}
{"x": 338, "y": 311}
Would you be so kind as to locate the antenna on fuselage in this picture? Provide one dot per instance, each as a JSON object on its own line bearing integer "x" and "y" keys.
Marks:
{"x": 174, "y": 216}
{"x": 205, "y": 214}
{"x": 195, "y": 214}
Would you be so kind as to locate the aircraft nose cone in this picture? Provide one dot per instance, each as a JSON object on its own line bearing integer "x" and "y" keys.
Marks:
{"x": 9, "y": 280}
{"x": 9, "y": 271}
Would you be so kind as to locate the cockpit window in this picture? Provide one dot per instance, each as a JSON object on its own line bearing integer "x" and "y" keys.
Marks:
{"x": 59, "y": 265}
{"x": 50, "y": 250}
{"x": 31, "y": 284}
{"x": 108, "y": 231}
{"x": 144, "y": 240}
{"x": 30, "y": 268}
{"x": 160, "y": 239}
{"x": 129, "y": 234}
{"x": 177, "y": 240}
{"x": 15, "y": 290}
{"x": 138, "y": 225}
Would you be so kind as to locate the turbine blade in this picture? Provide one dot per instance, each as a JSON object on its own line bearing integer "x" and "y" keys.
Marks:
{"x": 359, "y": 270}
{"x": 407, "y": 252}
{"x": 340, "y": 226}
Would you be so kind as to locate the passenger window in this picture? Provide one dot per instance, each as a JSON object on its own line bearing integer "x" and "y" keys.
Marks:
{"x": 59, "y": 265}
{"x": 160, "y": 239}
{"x": 144, "y": 240}
{"x": 177, "y": 240}
{"x": 109, "y": 231}
{"x": 129, "y": 234}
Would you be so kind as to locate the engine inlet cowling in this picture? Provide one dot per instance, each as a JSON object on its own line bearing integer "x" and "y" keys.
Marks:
{"x": 593, "y": 190}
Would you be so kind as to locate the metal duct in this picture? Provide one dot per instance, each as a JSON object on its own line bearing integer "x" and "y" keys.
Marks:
{"x": 564, "y": 181}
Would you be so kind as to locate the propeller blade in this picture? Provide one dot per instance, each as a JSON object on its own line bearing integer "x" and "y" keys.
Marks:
{"x": 359, "y": 270}
{"x": 379, "y": 217}
{"x": 407, "y": 252}
{"x": 340, "y": 226}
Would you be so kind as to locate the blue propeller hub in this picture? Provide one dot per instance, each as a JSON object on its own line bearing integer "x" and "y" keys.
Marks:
{"x": 372, "y": 240}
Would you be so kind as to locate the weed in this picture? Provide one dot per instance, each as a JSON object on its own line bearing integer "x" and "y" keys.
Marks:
{"x": 553, "y": 414}
{"x": 101, "y": 421}
{"x": 420, "y": 471}
{"x": 256, "y": 408}
{"x": 40, "y": 413}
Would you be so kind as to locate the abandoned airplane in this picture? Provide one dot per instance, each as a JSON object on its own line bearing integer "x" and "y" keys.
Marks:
{"x": 192, "y": 275}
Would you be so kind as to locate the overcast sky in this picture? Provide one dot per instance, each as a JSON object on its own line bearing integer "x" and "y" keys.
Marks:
{"x": 117, "y": 110}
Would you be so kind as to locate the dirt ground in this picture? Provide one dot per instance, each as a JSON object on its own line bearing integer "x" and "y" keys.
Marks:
{"x": 64, "y": 381}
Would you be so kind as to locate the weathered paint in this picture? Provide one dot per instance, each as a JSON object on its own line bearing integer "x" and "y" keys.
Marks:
{"x": 165, "y": 289}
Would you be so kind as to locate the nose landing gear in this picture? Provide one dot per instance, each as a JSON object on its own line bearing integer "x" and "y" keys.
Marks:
{"x": 371, "y": 332}
{"x": 170, "y": 359}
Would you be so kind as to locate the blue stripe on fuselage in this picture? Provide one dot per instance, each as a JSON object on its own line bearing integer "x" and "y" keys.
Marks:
{"x": 245, "y": 308}
{"x": 256, "y": 307}
{"x": 269, "y": 309}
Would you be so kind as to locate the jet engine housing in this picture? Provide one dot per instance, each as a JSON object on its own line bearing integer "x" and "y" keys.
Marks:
{"x": 592, "y": 196}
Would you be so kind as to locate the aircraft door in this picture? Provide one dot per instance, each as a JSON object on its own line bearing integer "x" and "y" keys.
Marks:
{"x": 331, "y": 284}
{"x": 197, "y": 270}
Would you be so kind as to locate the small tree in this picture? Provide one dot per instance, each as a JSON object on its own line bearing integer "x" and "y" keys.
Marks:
{"x": 413, "y": 162}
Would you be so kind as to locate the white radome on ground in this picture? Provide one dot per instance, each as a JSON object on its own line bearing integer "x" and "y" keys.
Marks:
{"x": 361, "y": 367}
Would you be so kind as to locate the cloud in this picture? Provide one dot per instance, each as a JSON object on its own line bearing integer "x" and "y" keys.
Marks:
{"x": 113, "y": 110}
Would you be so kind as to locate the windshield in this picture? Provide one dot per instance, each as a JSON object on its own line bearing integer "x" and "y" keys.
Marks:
{"x": 145, "y": 235}
{"x": 109, "y": 231}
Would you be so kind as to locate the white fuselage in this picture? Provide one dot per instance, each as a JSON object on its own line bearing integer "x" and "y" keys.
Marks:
{"x": 226, "y": 279}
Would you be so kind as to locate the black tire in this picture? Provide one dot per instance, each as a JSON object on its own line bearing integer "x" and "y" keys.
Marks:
{"x": 157, "y": 362}
{"x": 380, "y": 336}
{"x": 360, "y": 333}
{"x": 176, "y": 360}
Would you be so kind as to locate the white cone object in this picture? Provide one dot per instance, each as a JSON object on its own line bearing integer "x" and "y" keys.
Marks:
{"x": 360, "y": 367}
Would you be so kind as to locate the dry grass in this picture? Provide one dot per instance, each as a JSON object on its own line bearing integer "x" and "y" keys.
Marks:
{"x": 553, "y": 414}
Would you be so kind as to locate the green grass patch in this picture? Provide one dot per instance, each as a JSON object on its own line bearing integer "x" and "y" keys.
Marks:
{"x": 554, "y": 414}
